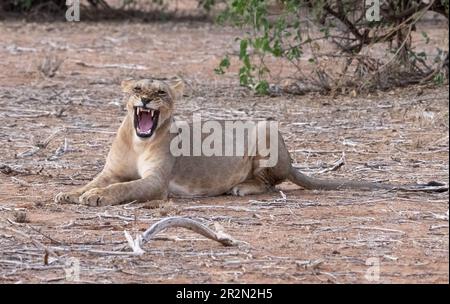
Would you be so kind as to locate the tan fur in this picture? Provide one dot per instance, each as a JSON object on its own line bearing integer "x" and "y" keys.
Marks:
{"x": 144, "y": 169}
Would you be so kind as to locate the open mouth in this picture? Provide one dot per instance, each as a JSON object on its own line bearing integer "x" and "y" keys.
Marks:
{"x": 145, "y": 121}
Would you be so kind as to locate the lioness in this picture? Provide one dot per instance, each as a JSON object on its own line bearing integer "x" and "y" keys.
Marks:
{"x": 141, "y": 167}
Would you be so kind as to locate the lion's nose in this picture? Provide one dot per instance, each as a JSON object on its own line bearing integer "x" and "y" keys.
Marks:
{"x": 145, "y": 101}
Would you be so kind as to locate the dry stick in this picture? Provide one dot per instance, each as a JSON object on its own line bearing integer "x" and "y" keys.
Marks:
{"x": 69, "y": 128}
{"x": 195, "y": 226}
{"x": 112, "y": 66}
{"x": 60, "y": 151}
{"x": 29, "y": 152}
{"x": 433, "y": 73}
{"x": 379, "y": 229}
{"x": 336, "y": 166}
{"x": 21, "y": 182}
{"x": 233, "y": 208}
{"x": 44, "y": 235}
{"x": 40, "y": 145}
{"x": 422, "y": 152}
{"x": 35, "y": 242}
{"x": 434, "y": 227}
{"x": 45, "y": 142}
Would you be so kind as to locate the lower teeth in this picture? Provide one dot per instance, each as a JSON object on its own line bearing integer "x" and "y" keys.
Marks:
{"x": 145, "y": 132}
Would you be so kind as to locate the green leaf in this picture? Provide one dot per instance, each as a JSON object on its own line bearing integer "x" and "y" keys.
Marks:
{"x": 262, "y": 87}
{"x": 425, "y": 35}
{"x": 293, "y": 53}
{"x": 422, "y": 54}
{"x": 243, "y": 48}
{"x": 325, "y": 31}
{"x": 224, "y": 64}
{"x": 266, "y": 44}
{"x": 258, "y": 42}
{"x": 243, "y": 76}
{"x": 439, "y": 79}
{"x": 246, "y": 61}
{"x": 277, "y": 51}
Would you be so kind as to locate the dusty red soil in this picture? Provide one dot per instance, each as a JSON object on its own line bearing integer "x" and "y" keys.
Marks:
{"x": 309, "y": 237}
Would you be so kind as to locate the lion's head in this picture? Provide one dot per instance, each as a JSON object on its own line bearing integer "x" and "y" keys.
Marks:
{"x": 151, "y": 103}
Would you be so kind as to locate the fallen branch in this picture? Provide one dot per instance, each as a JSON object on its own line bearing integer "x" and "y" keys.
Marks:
{"x": 29, "y": 152}
{"x": 212, "y": 207}
{"x": 422, "y": 152}
{"x": 60, "y": 151}
{"x": 112, "y": 66}
{"x": 434, "y": 227}
{"x": 39, "y": 145}
{"x": 219, "y": 236}
{"x": 380, "y": 229}
{"x": 45, "y": 142}
{"x": 336, "y": 166}
{"x": 35, "y": 242}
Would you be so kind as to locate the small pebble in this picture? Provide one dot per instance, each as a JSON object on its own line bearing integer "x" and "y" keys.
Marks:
{"x": 20, "y": 216}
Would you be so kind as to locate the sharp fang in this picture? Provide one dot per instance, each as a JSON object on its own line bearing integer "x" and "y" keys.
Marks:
{"x": 152, "y": 112}
{"x": 138, "y": 110}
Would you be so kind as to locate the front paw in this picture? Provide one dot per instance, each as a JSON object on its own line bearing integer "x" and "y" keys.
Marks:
{"x": 67, "y": 197}
{"x": 98, "y": 197}
{"x": 238, "y": 190}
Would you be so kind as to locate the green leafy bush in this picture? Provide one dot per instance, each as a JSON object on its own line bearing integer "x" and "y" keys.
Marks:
{"x": 299, "y": 30}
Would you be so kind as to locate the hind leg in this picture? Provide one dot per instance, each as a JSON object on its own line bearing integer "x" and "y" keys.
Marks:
{"x": 250, "y": 187}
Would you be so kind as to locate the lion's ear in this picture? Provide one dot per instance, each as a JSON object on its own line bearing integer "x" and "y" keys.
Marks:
{"x": 177, "y": 87}
{"x": 128, "y": 85}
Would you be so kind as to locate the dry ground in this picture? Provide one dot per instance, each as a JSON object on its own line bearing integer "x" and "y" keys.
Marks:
{"x": 55, "y": 132}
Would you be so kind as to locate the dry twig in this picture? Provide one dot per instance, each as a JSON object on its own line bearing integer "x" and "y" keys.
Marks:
{"x": 219, "y": 236}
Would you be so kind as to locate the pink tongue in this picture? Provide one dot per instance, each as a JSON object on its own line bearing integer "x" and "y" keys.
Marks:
{"x": 145, "y": 121}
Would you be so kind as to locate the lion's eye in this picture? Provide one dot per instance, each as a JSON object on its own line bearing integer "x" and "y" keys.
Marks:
{"x": 162, "y": 93}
